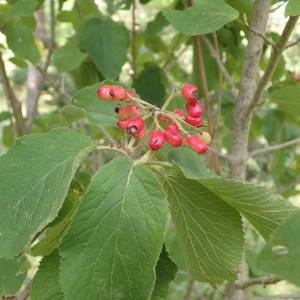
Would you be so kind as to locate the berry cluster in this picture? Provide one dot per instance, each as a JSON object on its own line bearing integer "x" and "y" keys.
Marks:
{"x": 130, "y": 118}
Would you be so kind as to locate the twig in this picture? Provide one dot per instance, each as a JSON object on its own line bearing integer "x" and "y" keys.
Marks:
{"x": 288, "y": 186}
{"x": 106, "y": 134}
{"x": 273, "y": 62}
{"x": 275, "y": 147}
{"x": 133, "y": 38}
{"x": 274, "y": 297}
{"x": 170, "y": 63}
{"x": 214, "y": 54}
{"x": 260, "y": 34}
{"x": 101, "y": 148}
{"x": 53, "y": 84}
{"x": 291, "y": 44}
{"x": 189, "y": 290}
{"x": 258, "y": 280}
{"x": 12, "y": 99}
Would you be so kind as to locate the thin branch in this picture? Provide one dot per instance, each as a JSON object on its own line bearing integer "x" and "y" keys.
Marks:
{"x": 260, "y": 34}
{"x": 274, "y": 297}
{"x": 133, "y": 38}
{"x": 12, "y": 99}
{"x": 258, "y": 280}
{"x": 189, "y": 290}
{"x": 106, "y": 134}
{"x": 170, "y": 63}
{"x": 214, "y": 54}
{"x": 53, "y": 84}
{"x": 275, "y": 147}
{"x": 273, "y": 62}
{"x": 294, "y": 43}
{"x": 288, "y": 186}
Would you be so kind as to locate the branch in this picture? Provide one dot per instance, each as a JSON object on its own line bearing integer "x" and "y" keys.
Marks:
{"x": 260, "y": 34}
{"x": 275, "y": 147}
{"x": 273, "y": 62}
{"x": 271, "y": 297}
{"x": 270, "y": 279}
{"x": 239, "y": 152}
{"x": 133, "y": 38}
{"x": 291, "y": 44}
{"x": 214, "y": 54}
{"x": 189, "y": 290}
{"x": 12, "y": 99}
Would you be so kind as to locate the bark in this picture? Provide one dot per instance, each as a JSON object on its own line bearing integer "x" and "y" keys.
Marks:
{"x": 248, "y": 84}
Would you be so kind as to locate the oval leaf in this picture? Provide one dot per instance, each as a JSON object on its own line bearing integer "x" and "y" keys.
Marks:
{"x": 204, "y": 17}
{"x": 116, "y": 236}
{"x": 35, "y": 176}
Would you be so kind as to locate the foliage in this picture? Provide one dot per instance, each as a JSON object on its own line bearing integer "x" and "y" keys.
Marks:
{"x": 109, "y": 218}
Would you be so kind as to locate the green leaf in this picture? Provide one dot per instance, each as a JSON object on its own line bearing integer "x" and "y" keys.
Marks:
{"x": 5, "y": 115}
{"x": 68, "y": 57}
{"x": 165, "y": 271}
{"x": 24, "y": 8}
{"x": 209, "y": 230}
{"x": 73, "y": 113}
{"x": 265, "y": 209}
{"x": 281, "y": 255}
{"x": 149, "y": 84}
{"x": 204, "y": 17}
{"x": 106, "y": 42}
{"x": 35, "y": 175}
{"x": 20, "y": 40}
{"x": 45, "y": 284}
{"x": 190, "y": 163}
{"x": 98, "y": 111}
{"x": 292, "y": 8}
{"x": 287, "y": 99}
{"x": 11, "y": 278}
{"x": 116, "y": 235}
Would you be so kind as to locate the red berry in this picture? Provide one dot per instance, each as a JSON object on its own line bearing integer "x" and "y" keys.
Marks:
{"x": 173, "y": 138}
{"x": 156, "y": 140}
{"x": 123, "y": 124}
{"x": 135, "y": 125}
{"x": 193, "y": 121}
{"x": 140, "y": 134}
{"x": 127, "y": 112}
{"x": 179, "y": 112}
{"x": 196, "y": 144}
{"x": 131, "y": 94}
{"x": 194, "y": 109}
{"x": 173, "y": 127}
{"x": 117, "y": 92}
{"x": 103, "y": 92}
{"x": 189, "y": 92}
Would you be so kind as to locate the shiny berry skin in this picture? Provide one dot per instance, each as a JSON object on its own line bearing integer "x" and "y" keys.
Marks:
{"x": 189, "y": 92}
{"x": 156, "y": 140}
{"x": 193, "y": 121}
{"x": 194, "y": 109}
{"x": 140, "y": 134}
{"x": 135, "y": 125}
{"x": 104, "y": 92}
{"x": 196, "y": 144}
{"x": 178, "y": 112}
{"x": 123, "y": 124}
{"x": 127, "y": 112}
{"x": 173, "y": 127}
{"x": 173, "y": 138}
{"x": 117, "y": 92}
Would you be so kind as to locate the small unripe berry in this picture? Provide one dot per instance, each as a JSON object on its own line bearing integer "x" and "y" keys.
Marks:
{"x": 189, "y": 92}
{"x": 194, "y": 109}
{"x": 178, "y": 112}
{"x": 196, "y": 144}
{"x": 173, "y": 138}
{"x": 193, "y": 121}
{"x": 156, "y": 140}
{"x": 104, "y": 92}
{"x": 127, "y": 112}
{"x": 135, "y": 125}
{"x": 205, "y": 136}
